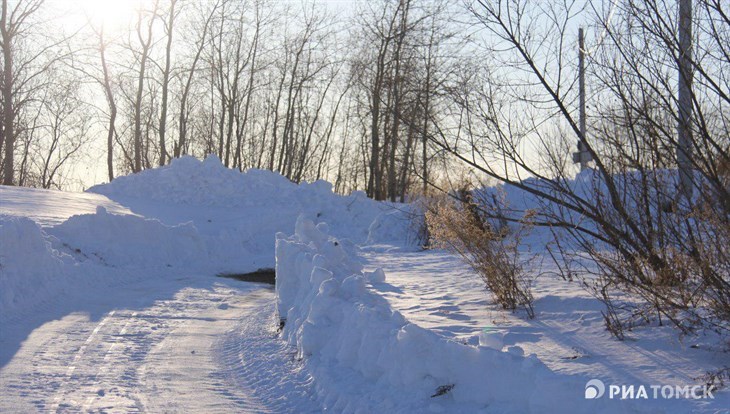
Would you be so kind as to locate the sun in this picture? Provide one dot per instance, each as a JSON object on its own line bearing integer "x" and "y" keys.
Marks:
{"x": 112, "y": 14}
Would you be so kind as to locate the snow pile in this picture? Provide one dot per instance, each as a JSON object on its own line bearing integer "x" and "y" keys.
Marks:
{"x": 636, "y": 191}
{"x": 190, "y": 181}
{"x": 29, "y": 266}
{"x": 366, "y": 357}
{"x": 397, "y": 227}
{"x": 37, "y": 263}
{"x": 260, "y": 203}
{"x": 125, "y": 240}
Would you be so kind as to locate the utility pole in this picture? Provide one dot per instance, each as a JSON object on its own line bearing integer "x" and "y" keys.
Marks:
{"x": 582, "y": 156}
{"x": 684, "y": 100}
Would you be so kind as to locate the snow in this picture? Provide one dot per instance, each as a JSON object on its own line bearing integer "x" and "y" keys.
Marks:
{"x": 227, "y": 230}
{"x": 238, "y": 214}
{"x": 260, "y": 203}
{"x": 23, "y": 243}
{"x": 191, "y": 214}
{"x": 588, "y": 187}
{"x": 342, "y": 328}
{"x": 436, "y": 291}
{"x": 395, "y": 228}
{"x": 51, "y": 207}
{"x": 109, "y": 302}
{"x": 125, "y": 240}
{"x": 155, "y": 343}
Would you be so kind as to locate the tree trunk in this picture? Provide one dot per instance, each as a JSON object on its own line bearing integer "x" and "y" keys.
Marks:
{"x": 7, "y": 91}
{"x": 165, "y": 84}
{"x": 112, "y": 109}
{"x": 247, "y": 105}
{"x": 180, "y": 148}
{"x": 140, "y": 89}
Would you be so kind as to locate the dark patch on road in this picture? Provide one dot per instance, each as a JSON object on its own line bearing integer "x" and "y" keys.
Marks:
{"x": 267, "y": 276}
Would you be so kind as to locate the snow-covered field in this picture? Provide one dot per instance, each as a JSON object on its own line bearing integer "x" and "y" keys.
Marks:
{"x": 436, "y": 291}
{"x": 109, "y": 302}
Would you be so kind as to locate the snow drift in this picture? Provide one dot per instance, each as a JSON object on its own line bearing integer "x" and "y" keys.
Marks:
{"x": 126, "y": 240}
{"x": 347, "y": 334}
{"x": 259, "y": 202}
{"x": 29, "y": 267}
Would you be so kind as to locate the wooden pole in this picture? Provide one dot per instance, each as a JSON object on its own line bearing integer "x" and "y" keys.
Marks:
{"x": 684, "y": 100}
{"x": 582, "y": 91}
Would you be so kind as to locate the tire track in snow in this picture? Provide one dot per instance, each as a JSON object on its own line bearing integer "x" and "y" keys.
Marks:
{"x": 77, "y": 358}
{"x": 253, "y": 357}
{"x": 208, "y": 349}
{"x": 184, "y": 363}
{"x": 104, "y": 368}
{"x": 31, "y": 381}
{"x": 114, "y": 378}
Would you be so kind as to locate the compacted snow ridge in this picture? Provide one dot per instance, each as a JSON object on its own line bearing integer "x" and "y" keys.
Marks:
{"x": 110, "y": 302}
{"x": 350, "y": 337}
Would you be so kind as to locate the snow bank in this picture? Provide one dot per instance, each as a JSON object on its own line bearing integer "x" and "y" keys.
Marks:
{"x": 366, "y": 357}
{"x": 38, "y": 263}
{"x": 590, "y": 187}
{"x": 272, "y": 203}
{"x": 30, "y": 269}
{"x": 125, "y": 240}
{"x": 190, "y": 181}
{"x": 397, "y": 227}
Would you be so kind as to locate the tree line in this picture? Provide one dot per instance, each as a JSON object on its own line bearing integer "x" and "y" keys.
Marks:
{"x": 301, "y": 89}
{"x": 386, "y": 96}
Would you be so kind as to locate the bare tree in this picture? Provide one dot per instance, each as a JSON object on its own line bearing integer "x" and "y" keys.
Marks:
{"x": 253, "y": 52}
{"x": 169, "y": 25}
{"x": 520, "y": 121}
{"x": 65, "y": 130}
{"x": 109, "y": 94}
{"x": 15, "y": 80}
{"x": 385, "y": 35}
{"x": 145, "y": 41}
{"x": 181, "y": 146}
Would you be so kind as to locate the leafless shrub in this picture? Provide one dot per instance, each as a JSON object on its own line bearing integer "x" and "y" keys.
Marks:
{"x": 460, "y": 229}
{"x": 717, "y": 379}
{"x": 681, "y": 278}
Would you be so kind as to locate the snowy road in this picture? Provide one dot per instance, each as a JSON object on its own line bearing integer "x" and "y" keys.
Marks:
{"x": 171, "y": 345}
{"x": 136, "y": 339}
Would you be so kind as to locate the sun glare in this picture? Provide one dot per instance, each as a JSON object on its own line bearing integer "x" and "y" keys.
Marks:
{"x": 113, "y": 14}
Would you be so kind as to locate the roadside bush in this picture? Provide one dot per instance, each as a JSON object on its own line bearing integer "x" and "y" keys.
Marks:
{"x": 459, "y": 228}
{"x": 674, "y": 265}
